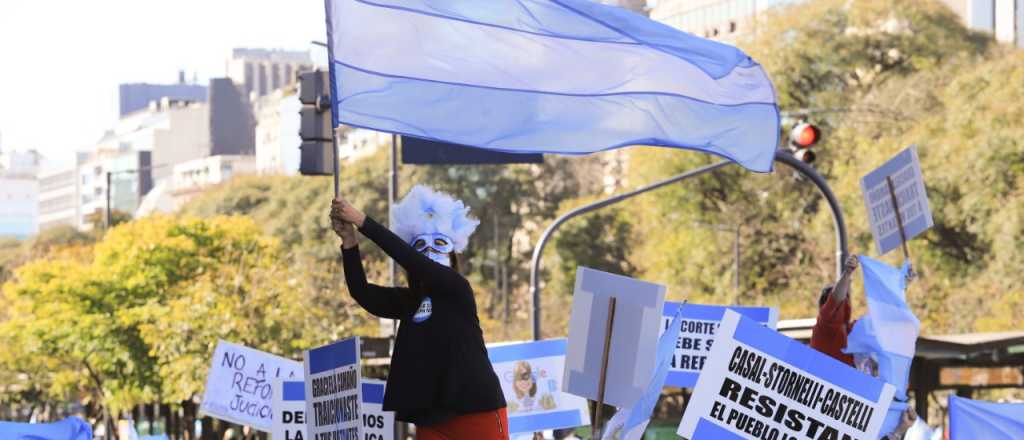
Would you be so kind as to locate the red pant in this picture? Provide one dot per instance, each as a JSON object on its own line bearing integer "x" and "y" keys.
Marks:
{"x": 487, "y": 425}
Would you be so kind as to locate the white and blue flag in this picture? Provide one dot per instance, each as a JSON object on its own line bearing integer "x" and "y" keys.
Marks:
{"x": 545, "y": 76}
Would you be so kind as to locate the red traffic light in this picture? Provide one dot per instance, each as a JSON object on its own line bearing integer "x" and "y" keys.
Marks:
{"x": 804, "y": 135}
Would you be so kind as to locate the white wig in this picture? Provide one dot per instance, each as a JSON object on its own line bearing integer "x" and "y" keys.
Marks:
{"x": 425, "y": 211}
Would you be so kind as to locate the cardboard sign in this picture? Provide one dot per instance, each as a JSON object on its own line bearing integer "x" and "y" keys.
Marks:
{"x": 531, "y": 376}
{"x": 697, "y": 336}
{"x": 633, "y": 341}
{"x": 377, "y": 423}
{"x": 289, "y": 410}
{"x": 239, "y": 385}
{"x": 333, "y": 400}
{"x": 760, "y": 384}
{"x": 905, "y": 172}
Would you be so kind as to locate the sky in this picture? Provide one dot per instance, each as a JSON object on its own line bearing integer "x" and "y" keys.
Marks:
{"x": 61, "y": 61}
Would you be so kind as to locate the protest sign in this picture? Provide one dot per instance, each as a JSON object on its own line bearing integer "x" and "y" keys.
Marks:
{"x": 377, "y": 423}
{"x": 531, "y": 378}
{"x": 760, "y": 384}
{"x": 289, "y": 410}
{"x": 633, "y": 339}
{"x": 239, "y": 385}
{"x": 333, "y": 393}
{"x": 697, "y": 336}
{"x": 904, "y": 172}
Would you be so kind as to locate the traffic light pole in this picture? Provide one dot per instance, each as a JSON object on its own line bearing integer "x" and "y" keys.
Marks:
{"x": 780, "y": 156}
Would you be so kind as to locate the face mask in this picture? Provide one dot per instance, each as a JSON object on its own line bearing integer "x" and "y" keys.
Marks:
{"x": 866, "y": 364}
{"x": 435, "y": 247}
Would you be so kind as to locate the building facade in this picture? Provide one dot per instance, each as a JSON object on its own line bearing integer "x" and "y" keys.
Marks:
{"x": 58, "y": 198}
{"x": 130, "y": 180}
{"x": 277, "y": 132}
{"x": 192, "y": 177}
{"x": 137, "y": 96}
{"x": 261, "y": 71}
{"x": 19, "y": 193}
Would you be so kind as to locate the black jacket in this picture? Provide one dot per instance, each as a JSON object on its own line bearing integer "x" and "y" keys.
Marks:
{"x": 439, "y": 368}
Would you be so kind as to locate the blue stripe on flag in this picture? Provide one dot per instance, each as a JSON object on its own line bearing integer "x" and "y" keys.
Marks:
{"x": 293, "y": 390}
{"x": 329, "y": 357}
{"x": 373, "y": 393}
{"x": 709, "y": 430}
{"x": 526, "y": 350}
{"x": 540, "y": 422}
{"x": 807, "y": 359}
{"x": 714, "y": 313}
{"x": 682, "y": 379}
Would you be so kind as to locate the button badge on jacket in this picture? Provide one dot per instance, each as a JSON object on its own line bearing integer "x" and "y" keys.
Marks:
{"x": 423, "y": 313}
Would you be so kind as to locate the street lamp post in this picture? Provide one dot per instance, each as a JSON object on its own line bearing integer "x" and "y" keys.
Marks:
{"x": 780, "y": 156}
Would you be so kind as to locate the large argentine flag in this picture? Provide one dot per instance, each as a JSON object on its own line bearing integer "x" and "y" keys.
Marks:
{"x": 545, "y": 76}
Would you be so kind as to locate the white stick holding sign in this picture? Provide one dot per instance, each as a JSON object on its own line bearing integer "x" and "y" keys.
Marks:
{"x": 697, "y": 336}
{"x": 760, "y": 384}
{"x": 333, "y": 400}
{"x": 377, "y": 423}
{"x": 531, "y": 375}
{"x": 289, "y": 410}
{"x": 239, "y": 384}
{"x": 631, "y": 346}
{"x": 897, "y": 185}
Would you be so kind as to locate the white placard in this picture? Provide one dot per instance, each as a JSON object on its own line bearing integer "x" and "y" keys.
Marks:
{"x": 289, "y": 410}
{"x": 633, "y": 342}
{"x": 377, "y": 423}
{"x": 333, "y": 400}
{"x": 760, "y": 384}
{"x": 530, "y": 374}
{"x": 908, "y": 184}
{"x": 238, "y": 385}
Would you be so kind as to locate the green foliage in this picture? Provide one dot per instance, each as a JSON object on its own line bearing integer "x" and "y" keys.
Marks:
{"x": 136, "y": 320}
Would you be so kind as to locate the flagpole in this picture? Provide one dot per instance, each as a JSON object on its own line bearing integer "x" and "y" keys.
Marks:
{"x": 604, "y": 369}
{"x": 899, "y": 222}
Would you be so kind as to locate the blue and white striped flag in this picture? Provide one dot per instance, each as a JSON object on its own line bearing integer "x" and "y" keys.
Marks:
{"x": 545, "y": 76}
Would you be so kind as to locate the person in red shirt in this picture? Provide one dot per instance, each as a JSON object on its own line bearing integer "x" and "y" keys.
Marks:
{"x": 833, "y": 324}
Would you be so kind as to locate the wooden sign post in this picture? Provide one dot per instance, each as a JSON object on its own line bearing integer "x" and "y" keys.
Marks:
{"x": 604, "y": 369}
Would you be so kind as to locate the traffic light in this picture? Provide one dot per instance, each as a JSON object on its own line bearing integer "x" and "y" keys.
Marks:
{"x": 802, "y": 138}
{"x": 315, "y": 125}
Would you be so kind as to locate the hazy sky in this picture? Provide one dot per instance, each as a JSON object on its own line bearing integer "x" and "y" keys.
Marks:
{"x": 61, "y": 61}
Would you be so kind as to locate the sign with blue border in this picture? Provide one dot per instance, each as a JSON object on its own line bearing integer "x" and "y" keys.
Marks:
{"x": 333, "y": 391}
{"x": 531, "y": 374}
{"x": 697, "y": 336}
{"x": 289, "y": 410}
{"x": 760, "y": 384}
{"x": 377, "y": 423}
{"x": 908, "y": 184}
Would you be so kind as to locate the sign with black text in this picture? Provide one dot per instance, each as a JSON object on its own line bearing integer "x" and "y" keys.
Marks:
{"x": 759, "y": 384}
{"x": 697, "y": 336}
{"x": 289, "y": 410}
{"x": 904, "y": 171}
{"x": 377, "y": 423}
{"x": 333, "y": 400}
{"x": 239, "y": 384}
